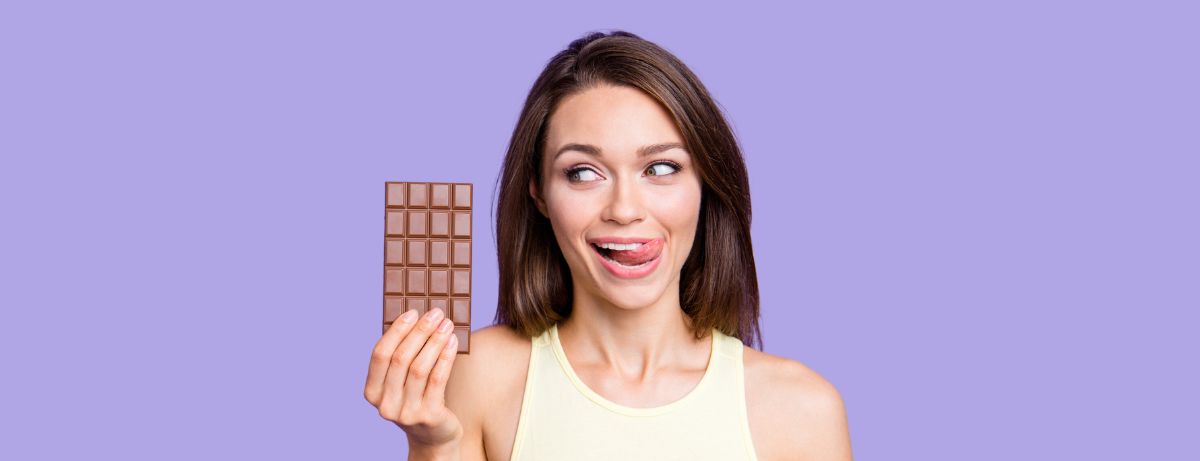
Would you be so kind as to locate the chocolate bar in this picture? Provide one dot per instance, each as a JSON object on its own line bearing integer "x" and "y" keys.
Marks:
{"x": 427, "y": 253}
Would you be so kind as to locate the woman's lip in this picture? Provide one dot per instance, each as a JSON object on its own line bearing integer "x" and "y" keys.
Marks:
{"x": 625, "y": 272}
{"x": 622, "y": 240}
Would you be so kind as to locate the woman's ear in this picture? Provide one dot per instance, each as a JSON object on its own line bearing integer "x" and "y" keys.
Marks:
{"x": 537, "y": 199}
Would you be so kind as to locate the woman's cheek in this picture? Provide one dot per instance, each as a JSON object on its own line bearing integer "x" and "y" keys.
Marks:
{"x": 569, "y": 219}
{"x": 681, "y": 205}
{"x": 574, "y": 207}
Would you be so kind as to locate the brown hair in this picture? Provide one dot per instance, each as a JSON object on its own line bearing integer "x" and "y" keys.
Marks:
{"x": 718, "y": 284}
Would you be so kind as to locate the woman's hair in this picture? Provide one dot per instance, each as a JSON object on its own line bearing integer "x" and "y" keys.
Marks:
{"x": 718, "y": 284}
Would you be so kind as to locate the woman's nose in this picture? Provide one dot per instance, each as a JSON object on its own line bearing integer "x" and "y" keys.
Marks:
{"x": 624, "y": 203}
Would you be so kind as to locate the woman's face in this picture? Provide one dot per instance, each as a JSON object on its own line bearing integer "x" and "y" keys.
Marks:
{"x": 615, "y": 172}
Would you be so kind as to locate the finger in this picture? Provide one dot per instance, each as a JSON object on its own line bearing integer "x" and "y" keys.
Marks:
{"x": 382, "y": 354}
{"x": 394, "y": 380}
{"x": 422, "y": 366}
{"x": 435, "y": 391}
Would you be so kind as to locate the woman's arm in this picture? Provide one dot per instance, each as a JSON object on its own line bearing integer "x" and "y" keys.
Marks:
{"x": 465, "y": 397}
{"x": 795, "y": 413}
{"x": 483, "y": 388}
{"x": 819, "y": 407}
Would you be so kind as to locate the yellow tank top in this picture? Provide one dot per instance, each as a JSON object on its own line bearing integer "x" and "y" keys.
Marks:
{"x": 561, "y": 418}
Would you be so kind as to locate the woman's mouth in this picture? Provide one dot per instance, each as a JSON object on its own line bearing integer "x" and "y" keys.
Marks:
{"x": 629, "y": 261}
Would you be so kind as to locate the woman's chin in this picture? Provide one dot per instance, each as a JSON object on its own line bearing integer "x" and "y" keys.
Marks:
{"x": 632, "y": 298}
{"x": 628, "y": 294}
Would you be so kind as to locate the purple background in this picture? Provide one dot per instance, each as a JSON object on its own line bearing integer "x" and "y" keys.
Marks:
{"x": 979, "y": 222}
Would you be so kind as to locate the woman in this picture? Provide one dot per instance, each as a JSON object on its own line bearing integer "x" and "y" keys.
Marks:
{"x": 628, "y": 296}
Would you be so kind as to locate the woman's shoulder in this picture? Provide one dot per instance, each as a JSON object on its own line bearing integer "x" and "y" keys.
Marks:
{"x": 784, "y": 374}
{"x": 781, "y": 392}
{"x": 499, "y": 356}
{"x": 499, "y": 339}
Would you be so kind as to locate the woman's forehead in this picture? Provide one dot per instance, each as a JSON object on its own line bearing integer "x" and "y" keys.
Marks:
{"x": 615, "y": 121}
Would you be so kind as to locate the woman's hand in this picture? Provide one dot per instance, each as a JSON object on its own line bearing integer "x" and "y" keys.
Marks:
{"x": 407, "y": 377}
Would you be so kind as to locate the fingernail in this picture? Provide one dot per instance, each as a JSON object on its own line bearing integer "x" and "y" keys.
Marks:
{"x": 433, "y": 315}
{"x": 408, "y": 317}
{"x": 445, "y": 326}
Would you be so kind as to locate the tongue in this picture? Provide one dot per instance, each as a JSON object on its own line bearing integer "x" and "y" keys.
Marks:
{"x": 646, "y": 252}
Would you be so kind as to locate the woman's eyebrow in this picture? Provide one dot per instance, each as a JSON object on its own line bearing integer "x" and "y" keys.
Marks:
{"x": 595, "y": 151}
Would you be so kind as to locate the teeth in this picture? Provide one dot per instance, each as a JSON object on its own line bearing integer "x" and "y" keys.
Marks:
{"x": 619, "y": 246}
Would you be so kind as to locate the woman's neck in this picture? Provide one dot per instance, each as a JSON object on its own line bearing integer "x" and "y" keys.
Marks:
{"x": 635, "y": 343}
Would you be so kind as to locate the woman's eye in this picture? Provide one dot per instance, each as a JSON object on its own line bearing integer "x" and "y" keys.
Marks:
{"x": 666, "y": 170}
{"x": 581, "y": 175}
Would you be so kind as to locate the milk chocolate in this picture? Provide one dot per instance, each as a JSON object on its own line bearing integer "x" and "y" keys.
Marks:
{"x": 427, "y": 253}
